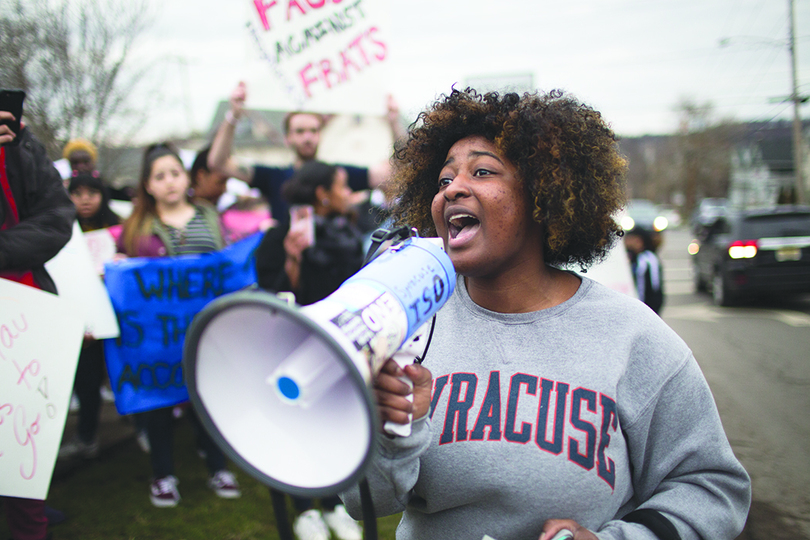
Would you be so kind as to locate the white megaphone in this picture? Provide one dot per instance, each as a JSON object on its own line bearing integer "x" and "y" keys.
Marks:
{"x": 285, "y": 390}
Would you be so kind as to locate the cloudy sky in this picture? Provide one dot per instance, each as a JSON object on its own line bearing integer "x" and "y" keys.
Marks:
{"x": 633, "y": 60}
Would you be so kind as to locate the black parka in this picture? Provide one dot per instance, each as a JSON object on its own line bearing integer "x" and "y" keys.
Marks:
{"x": 45, "y": 209}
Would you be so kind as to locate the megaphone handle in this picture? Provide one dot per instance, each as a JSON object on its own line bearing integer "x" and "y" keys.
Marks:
{"x": 402, "y": 430}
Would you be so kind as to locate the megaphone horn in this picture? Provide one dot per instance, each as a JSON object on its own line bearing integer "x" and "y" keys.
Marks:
{"x": 285, "y": 390}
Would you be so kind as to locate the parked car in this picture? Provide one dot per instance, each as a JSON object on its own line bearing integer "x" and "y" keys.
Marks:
{"x": 707, "y": 211}
{"x": 748, "y": 253}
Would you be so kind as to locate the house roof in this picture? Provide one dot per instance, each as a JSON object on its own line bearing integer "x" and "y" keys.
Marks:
{"x": 774, "y": 141}
{"x": 258, "y": 126}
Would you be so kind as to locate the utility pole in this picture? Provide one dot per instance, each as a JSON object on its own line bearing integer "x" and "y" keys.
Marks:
{"x": 798, "y": 143}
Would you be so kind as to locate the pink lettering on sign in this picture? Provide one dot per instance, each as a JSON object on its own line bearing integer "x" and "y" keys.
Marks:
{"x": 290, "y": 5}
{"x": 25, "y": 415}
{"x": 10, "y": 332}
{"x": 262, "y": 8}
{"x": 300, "y": 7}
{"x": 5, "y": 410}
{"x": 25, "y": 437}
{"x": 360, "y": 54}
{"x": 31, "y": 369}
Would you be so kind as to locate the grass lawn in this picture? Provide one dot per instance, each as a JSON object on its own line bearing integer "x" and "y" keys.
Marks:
{"x": 109, "y": 499}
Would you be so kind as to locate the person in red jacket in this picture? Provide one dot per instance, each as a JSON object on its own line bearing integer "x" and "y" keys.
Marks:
{"x": 36, "y": 221}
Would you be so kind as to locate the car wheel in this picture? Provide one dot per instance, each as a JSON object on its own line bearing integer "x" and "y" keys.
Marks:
{"x": 720, "y": 293}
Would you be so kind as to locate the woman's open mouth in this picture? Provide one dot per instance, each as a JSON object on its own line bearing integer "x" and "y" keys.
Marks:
{"x": 461, "y": 227}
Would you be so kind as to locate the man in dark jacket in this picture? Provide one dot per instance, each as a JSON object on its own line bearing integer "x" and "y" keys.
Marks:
{"x": 36, "y": 220}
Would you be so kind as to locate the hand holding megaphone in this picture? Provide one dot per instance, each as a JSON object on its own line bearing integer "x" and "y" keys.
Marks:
{"x": 402, "y": 394}
{"x": 412, "y": 351}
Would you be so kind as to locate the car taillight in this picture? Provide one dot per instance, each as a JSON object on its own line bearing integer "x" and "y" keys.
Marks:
{"x": 742, "y": 249}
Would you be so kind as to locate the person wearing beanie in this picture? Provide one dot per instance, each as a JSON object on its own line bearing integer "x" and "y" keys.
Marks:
{"x": 81, "y": 154}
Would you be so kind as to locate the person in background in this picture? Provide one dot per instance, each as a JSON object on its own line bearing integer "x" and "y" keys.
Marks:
{"x": 546, "y": 401}
{"x": 165, "y": 222}
{"x": 302, "y": 132}
{"x": 290, "y": 260}
{"x": 81, "y": 154}
{"x": 207, "y": 184}
{"x": 648, "y": 275}
{"x": 245, "y": 216}
{"x": 91, "y": 199}
{"x": 36, "y": 220}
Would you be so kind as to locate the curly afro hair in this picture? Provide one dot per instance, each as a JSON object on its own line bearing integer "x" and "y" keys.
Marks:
{"x": 565, "y": 154}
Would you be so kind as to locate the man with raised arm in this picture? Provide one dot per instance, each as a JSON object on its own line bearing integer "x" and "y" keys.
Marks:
{"x": 302, "y": 132}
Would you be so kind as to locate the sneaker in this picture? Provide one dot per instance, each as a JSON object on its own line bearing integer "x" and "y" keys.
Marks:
{"x": 310, "y": 526}
{"x": 163, "y": 492}
{"x": 143, "y": 441}
{"x": 78, "y": 448}
{"x": 342, "y": 524}
{"x": 225, "y": 485}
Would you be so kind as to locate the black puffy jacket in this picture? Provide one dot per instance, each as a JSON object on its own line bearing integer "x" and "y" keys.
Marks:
{"x": 45, "y": 209}
{"x": 336, "y": 256}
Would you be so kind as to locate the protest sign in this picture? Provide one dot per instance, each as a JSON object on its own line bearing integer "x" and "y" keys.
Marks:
{"x": 155, "y": 300}
{"x": 77, "y": 279}
{"x": 40, "y": 338}
{"x": 328, "y": 56}
{"x": 101, "y": 246}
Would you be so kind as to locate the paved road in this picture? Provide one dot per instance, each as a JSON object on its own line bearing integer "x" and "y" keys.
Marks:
{"x": 757, "y": 361}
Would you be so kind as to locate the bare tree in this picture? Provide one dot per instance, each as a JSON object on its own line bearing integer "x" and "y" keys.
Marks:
{"x": 72, "y": 57}
{"x": 703, "y": 146}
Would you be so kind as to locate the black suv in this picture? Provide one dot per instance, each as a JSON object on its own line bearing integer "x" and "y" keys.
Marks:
{"x": 748, "y": 253}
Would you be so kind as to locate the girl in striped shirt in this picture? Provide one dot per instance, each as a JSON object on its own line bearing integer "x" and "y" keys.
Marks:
{"x": 165, "y": 222}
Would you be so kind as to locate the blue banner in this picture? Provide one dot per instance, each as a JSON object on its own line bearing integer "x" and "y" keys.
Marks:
{"x": 155, "y": 300}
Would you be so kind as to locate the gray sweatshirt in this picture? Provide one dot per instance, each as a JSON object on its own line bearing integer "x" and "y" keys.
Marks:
{"x": 590, "y": 410}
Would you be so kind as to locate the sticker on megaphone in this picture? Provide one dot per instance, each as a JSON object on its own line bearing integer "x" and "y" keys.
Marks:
{"x": 372, "y": 314}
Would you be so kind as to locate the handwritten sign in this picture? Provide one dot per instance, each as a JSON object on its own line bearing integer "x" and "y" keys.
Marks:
{"x": 101, "y": 246}
{"x": 40, "y": 338}
{"x": 328, "y": 56}
{"x": 156, "y": 300}
{"x": 77, "y": 279}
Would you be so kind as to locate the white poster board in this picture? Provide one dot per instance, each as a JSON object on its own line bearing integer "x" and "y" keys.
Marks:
{"x": 101, "y": 247}
{"x": 615, "y": 272}
{"x": 75, "y": 272}
{"x": 40, "y": 338}
{"x": 328, "y": 56}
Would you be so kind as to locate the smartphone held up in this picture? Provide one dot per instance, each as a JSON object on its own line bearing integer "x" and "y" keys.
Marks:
{"x": 11, "y": 101}
{"x": 302, "y": 218}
